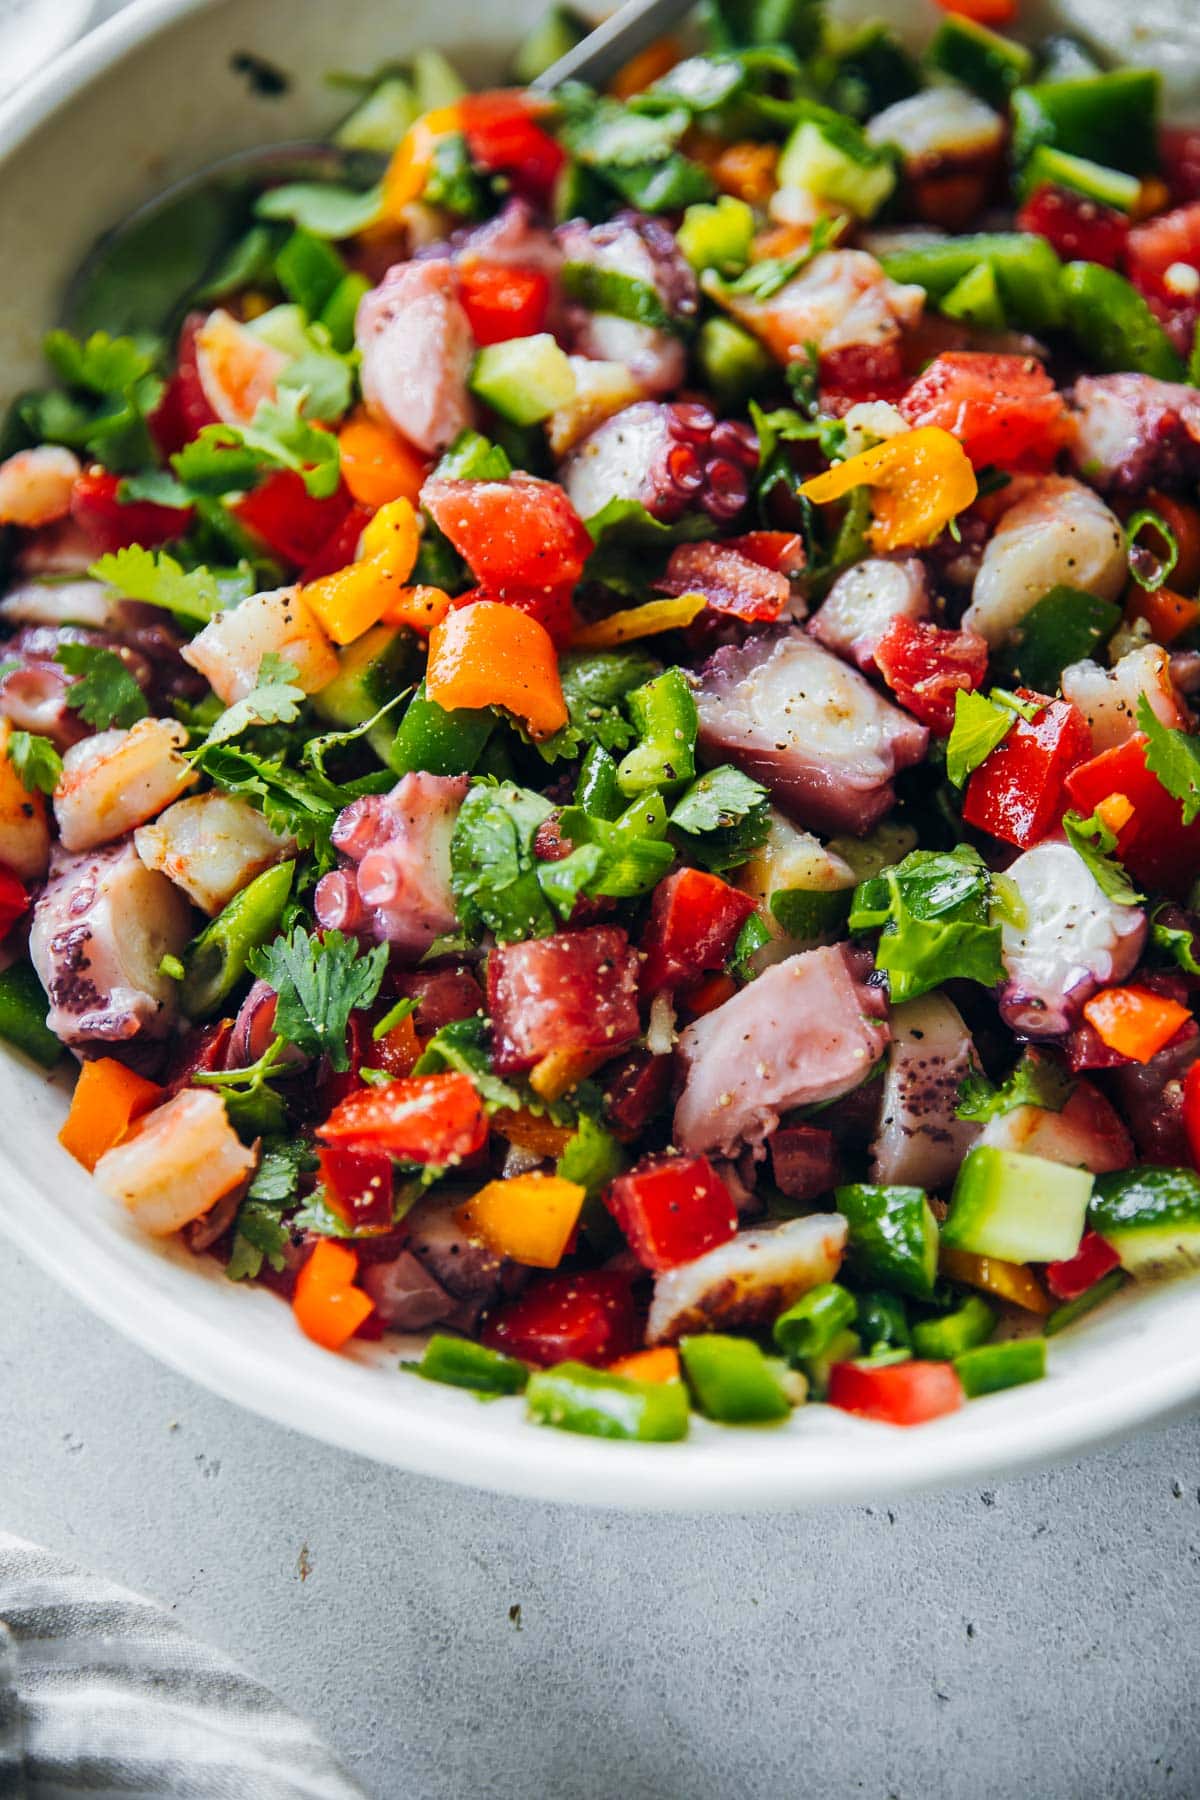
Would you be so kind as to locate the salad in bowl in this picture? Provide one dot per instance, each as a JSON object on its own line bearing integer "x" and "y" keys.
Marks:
{"x": 596, "y": 745}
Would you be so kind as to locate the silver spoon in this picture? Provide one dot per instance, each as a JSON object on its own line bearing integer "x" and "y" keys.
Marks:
{"x": 132, "y": 278}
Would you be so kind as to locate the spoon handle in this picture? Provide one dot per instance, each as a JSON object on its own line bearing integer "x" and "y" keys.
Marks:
{"x": 601, "y": 53}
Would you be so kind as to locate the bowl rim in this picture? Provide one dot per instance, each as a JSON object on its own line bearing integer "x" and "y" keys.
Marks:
{"x": 336, "y": 1400}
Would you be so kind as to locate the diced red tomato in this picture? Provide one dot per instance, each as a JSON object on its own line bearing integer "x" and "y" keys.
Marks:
{"x": 1094, "y": 1259}
{"x": 926, "y": 665}
{"x": 289, "y": 521}
{"x": 637, "y": 1089}
{"x": 1078, "y": 228}
{"x": 1156, "y": 245}
{"x": 358, "y": 1186}
{"x": 183, "y": 411}
{"x": 435, "y": 1119}
{"x": 337, "y": 1084}
{"x": 504, "y": 137}
{"x": 1191, "y": 1111}
{"x": 442, "y": 996}
{"x": 905, "y": 1394}
{"x": 1003, "y": 409}
{"x": 574, "y": 990}
{"x": 502, "y": 302}
{"x": 110, "y": 524}
{"x": 860, "y": 372}
{"x": 1155, "y": 845}
{"x": 1179, "y": 149}
{"x": 14, "y": 901}
{"x": 782, "y": 551}
{"x": 1017, "y": 792}
{"x": 731, "y": 581}
{"x": 340, "y": 547}
{"x": 551, "y": 607}
{"x": 694, "y": 920}
{"x": 672, "y": 1209}
{"x": 568, "y": 1318}
{"x": 522, "y": 533}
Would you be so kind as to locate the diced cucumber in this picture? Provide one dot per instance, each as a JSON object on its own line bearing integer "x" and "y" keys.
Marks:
{"x": 717, "y": 234}
{"x": 371, "y": 671}
{"x": 1028, "y": 273}
{"x": 1048, "y": 167}
{"x": 731, "y": 1381}
{"x": 524, "y": 379}
{"x": 828, "y": 156}
{"x": 893, "y": 1239}
{"x": 731, "y": 360}
{"x": 1151, "y": 1217}
{"x": 993, "y": 1367}
{"x": 556, "y": 32}
{"x": 381, "y": 120}
{"x": 1018, "y": 1208}
{"x": 976, "y": 299}
{"x": 845, "y": 1347}
{"x": 437, "y": 82}
{"x": 990, "y": 65}
{"x": 1109, "y": 118}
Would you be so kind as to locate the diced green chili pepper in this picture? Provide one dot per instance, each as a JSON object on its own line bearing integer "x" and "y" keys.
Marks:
{"x": 1070, "y": 1310}
{"x": 731, "y": 1381}
{"x": 1064, "y": 626}
{"x": 23, "y": 1008}
{"x": 341, "y": 309}
{"x": 1110, "y": 119}
{"x": 976, "y": 299}
{"x": 991, "y": 1367}
{"x": 596, "y": 790}
{"x": 216, "y": 960}
{"x": 882, "y": 1321}
{"x": 1114, "y": 325}
{"x": 845, "y": 1347}
{"x": 460, "y": 1363}
{"x": 664, "y": 712}
{"x": 573, "y": 1397}
{"x": 437, "y": 742}
{"x": 810, "y": 1326}
{"x": 1027, "y": 271}
{"x": 941, "y": 1340}
{"x": 893, "y": 1236}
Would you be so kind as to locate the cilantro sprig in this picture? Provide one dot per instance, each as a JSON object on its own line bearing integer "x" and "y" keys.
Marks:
{"x": 1095, "y": 842}
{"x": 934, "y": 917}
{"x": 105, "y": 693}
{"x": 319, "y": 982}
{"x": 1174, "y": 757}
{"x": 1037, "y": 1080}
{"x": 37, "y": 762}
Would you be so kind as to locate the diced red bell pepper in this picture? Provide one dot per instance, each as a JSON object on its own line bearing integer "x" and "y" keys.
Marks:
{"x": 340, "y": 548}
{"x": 694, "y": 921}
{"x": 108, "y": 524}
{"x": 283, "y": 513}
{"x": 184, "y": 410}
{"x": 503, "y": 136}
{"x": 672, "y": 1209}
{"x": 437, "y": 1119}
{"x": 1155, "y": 845}
{"x": 1017, "y": 792}
{"x": 903, "y": 1394}
{"x": 1003, "y": 409}
{"x": 731, "y": 581}
{"x": 337, "y": 1085}
{"x": 587, "y": 1318}
{"x": 858, "y": 373}
{"x": 14, "y": 901}
{"x": 1078, "y": 228}
{"x": 358, "y": 1186}
{"x": 502, "y": 302}
{"x": 522, "y": 532}
{"x": 926, "y": 665}
{"x": 574, "y": 990}
{"x": 1094, "y": 1259}
{"x": 1174, "y": 237}
{"x": 551, "y": 606}
{"x": 636, "y": 1090}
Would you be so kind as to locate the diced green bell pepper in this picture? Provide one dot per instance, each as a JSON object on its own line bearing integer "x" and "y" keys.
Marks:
{"x": 992, "y": 1367}
{"x": 1015, "y": 1207}
{"x": 976, "y": 299}
{"x": 1109, "y": 318}
{"x": 810, "y": 1326}
{"x": 731, "y": 1381}
{"x": 893, "y": 1237}
{"x": 941, "y": 1340}
{"x": 811, "y": 913}
{"x": 440, "y": 742}
{"x": 217, "y": 959}
{"x": 1110, "y": 119}
{"x": 664, "y": 712}
{"x": 596, "y": 790}
{"x": 1028, "y": 273}
{"x": 573, "y": 1397}
{"x": 731, "y": 360}
{"x": 460, "y": 1363}
{"x": 1070, "y": 1310}
{"x": 23, "y": 1009}
{"x": 1064, "y": 626}
{"x": 1151, "y": 1217}
{"x": 990, "y": 65}
{"x": 1048, "y": 167}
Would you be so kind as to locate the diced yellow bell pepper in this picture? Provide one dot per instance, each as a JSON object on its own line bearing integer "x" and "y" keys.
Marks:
{"x": 562, "y": 1070}
{"x": 640, "y": 622}
{"x": 352, "y": 599}
{"x": 412, "y": 159}
{"x": 919, "y": 481}
{"x": 1015, "y": 1282}
{"x": 392, "y": 539}
{"x": 529, "y": 1218}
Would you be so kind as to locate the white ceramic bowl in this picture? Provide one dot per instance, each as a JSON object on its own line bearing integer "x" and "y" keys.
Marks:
{"x": 150, "y": 96}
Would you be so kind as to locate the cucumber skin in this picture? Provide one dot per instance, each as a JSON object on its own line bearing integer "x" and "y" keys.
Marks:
{"x": 1151, "y": 1217}
{"x": 893, "y": 1236}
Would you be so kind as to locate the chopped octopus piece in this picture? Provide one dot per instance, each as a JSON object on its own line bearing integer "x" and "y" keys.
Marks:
{"x": 1108, "y": 698}
{"x": 1074, "y": 939}
{"x": 33, "y": 697}
{"x": 1087, "y": 1133}
{"x": 745, "y": 1284}
{"x": 673, "y": 459}
{"x": 819, "y": 736}
{"x": 807, "y": 1029}
{"x": 176, "y": 1163}
{"x": 407, "y": 1297}
{"x": 119, "y": 779}
{"x": 1137, "y": 432}
{"x": 211, "y": 845}
{"x": 466, "y": 1268}
{"x": 1058, "y": 534}
{"x": 36, "y": 486}
{"x": 574, "y": 990}
{"x": 632, "y": 245}
{"x": 231, "y": 647}
{"x": 511, "y": 239}
{"x": 920, "y": 1142}
{"x": 101, "y": 928}
{"x": 841, "y": 300}
{"x": 416, "y": 347}
{"x": 864, "y": 600}
{"x": 394, "y": 884}
{"x": 79, "y": 602}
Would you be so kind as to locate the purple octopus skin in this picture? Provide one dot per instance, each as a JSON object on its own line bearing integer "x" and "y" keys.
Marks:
{"x": 632, "y": 245}
{"x": 472, "y": 1274}
{"x": 101, "y": 927}
{"x": 407, "y": 1297}
{"x": 512, "y": 238}
{"x": 673, "y": 459}
{"x": 1136, "y": 432}
{"x": 817, "y": 734}
{"x": 394, "y": 883}
{"x": 1149, "y": 1097}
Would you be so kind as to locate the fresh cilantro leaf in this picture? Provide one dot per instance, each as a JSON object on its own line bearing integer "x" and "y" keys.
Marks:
{"x": 462, "y": 1046}
{"x": 1064, "y": 626}
{"x": 105, "y": 694}
{"x": 101, "y": 364}
{"x": 158, "y": 580}
{"x": 218, "y": 461}
{"x": 225, "y": 458}
{"x": 117, "y": 375}
{"x": 633, "y": 855}
{"x": 1024, "y": 709}
{"x": 36, "y": 761}
{"x": 255, "y": 1109}
{"x": 156, "y": 485}
{"x": 1094, "y": 842}
{"x": 1179, "y": 941}
{"x": 1037, "y": 1080}
{"x": 750, "y": 939}
{"x": 1174, "y": 757}
{"x": 934, "y": 914}
{"x": 325, "y": 210}
{"x": 979, "y": 726}
{"x": 320, "y": 981}
{"x": 274, "y": 700}
{"x": 259, "y": 1236}
{"x": 594, "y": 683}
{"x": 322, "y": 377}
{"x": 281, "y": 1165}
{"x": 627, "y": 537}
{"x": 294, "y": 802}
{"x": 718, "y": 799}
{"x": 494, "y": 874}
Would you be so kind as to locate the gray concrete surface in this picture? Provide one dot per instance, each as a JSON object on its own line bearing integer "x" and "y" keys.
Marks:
{"x": 1035, "y": 1640}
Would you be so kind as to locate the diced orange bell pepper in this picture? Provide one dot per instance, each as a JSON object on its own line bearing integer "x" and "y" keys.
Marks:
{"x": 352, "y": 599}
{"x": 108, "y": 1097}
{"x": 420, "y": 607}
{"x": 1133, "y": 1021}
{"x": 1167, "y": 613}
{"x": 412, "y": 159}
{"x": 329, "y": 1309}
{"x": 529, "y": 1217}
{"x": 530, "y": 1131}
{"x": 1015, "y": 1282}
{"x": 562, "y": 1070}
{"x": 644, "y": 69}
{"x": 919, "y": 481}
{"x": 656, "y": 1366}
{"x": 1115, "y": 812}
{"x": 377, "y": 464}
{"x": 639, "y": 622}
{"x": 488, "y": 654}
{"x": 747, "y": 170}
